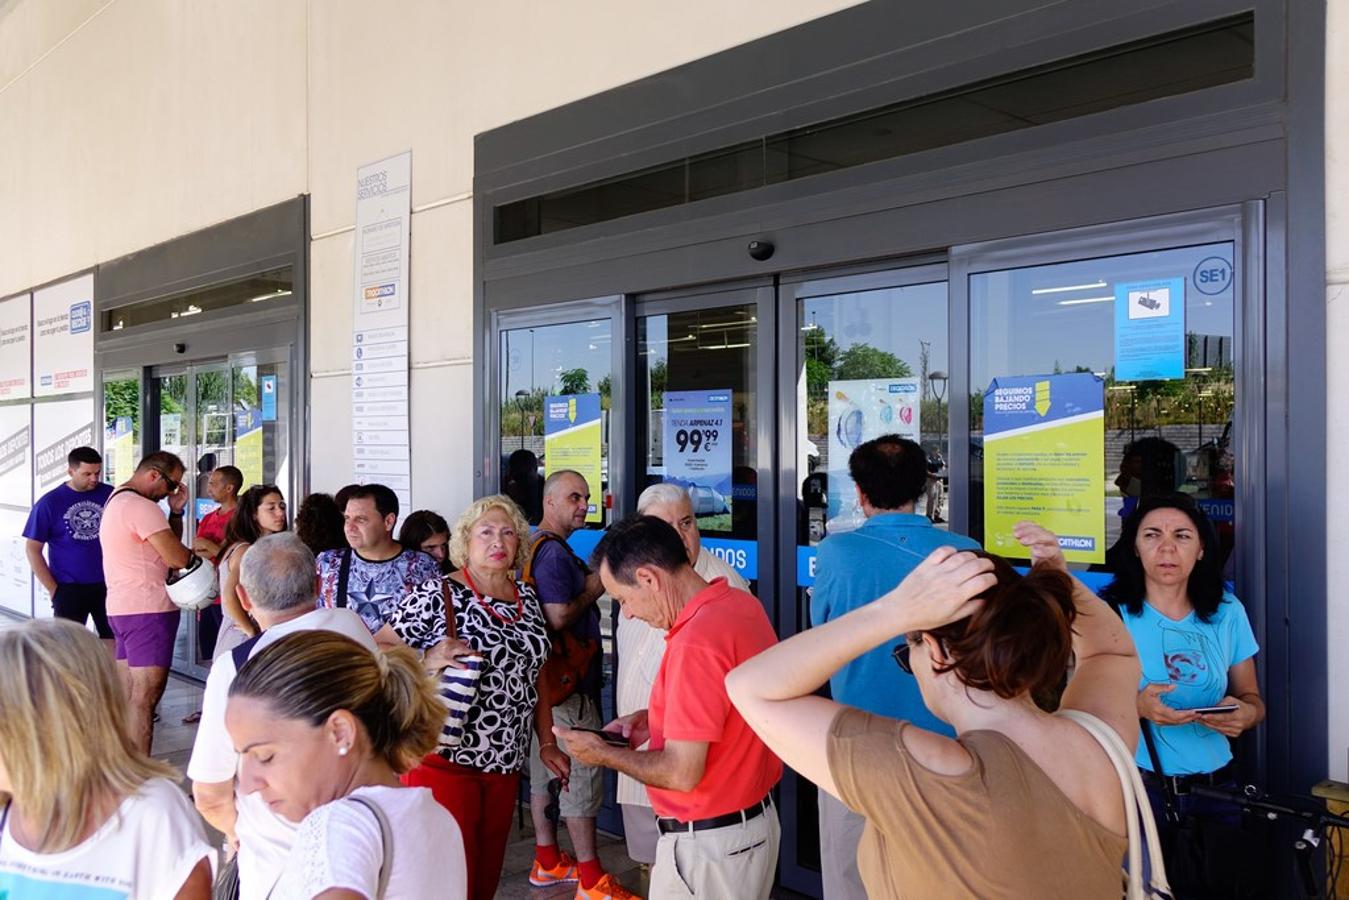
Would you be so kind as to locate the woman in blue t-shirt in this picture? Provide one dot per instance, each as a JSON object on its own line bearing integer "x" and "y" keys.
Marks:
{"x": 1196, "y": 648}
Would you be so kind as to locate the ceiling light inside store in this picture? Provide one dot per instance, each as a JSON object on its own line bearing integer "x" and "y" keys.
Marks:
{"x": 269, "y": 296}
{"x": 1086, "y": 300}
{"x": 1069, "y": 287}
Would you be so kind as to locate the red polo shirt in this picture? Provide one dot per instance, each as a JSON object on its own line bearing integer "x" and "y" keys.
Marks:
{"x": 720, "y": 628}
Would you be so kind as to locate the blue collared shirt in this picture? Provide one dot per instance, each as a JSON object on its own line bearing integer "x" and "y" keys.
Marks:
{"x": 855, "y": 568}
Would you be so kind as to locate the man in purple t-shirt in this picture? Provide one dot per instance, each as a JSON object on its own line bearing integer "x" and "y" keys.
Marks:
{"x": 66, "y": 521}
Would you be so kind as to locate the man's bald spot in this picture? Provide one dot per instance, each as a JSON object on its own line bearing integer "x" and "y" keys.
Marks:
{"x": 554, "y": 482}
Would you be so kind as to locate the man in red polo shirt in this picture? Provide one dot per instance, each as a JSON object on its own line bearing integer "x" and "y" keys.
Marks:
{"x": 707, "y": 774}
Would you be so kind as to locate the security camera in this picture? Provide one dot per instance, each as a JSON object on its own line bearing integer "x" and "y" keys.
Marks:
{"x": 760, "y": 250}
{"x": 180, "y": 348}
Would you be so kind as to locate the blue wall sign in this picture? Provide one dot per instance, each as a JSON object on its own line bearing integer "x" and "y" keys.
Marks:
{"x": 1150, "y": 330}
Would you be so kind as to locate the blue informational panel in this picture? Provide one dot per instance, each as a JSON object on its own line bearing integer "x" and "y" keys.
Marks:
{"x": 267, "y": 385}
{"x": 1150, "y": 330}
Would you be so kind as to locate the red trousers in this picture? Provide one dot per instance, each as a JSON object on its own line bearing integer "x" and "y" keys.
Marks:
{"x": 482, "y": 803}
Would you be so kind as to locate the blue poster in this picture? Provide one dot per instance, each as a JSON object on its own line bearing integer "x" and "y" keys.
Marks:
{"x": 1150, "y": 330}
{"x": 268, "y": 387}
{"x": 697, "y": 447}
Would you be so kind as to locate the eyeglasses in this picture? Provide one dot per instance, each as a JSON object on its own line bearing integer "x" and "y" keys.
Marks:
{"x": 901, "y": 655}
{"x": 168, "y": 482}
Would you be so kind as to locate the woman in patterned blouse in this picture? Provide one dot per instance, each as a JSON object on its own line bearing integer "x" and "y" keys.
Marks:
{"x": 498, "y": 618}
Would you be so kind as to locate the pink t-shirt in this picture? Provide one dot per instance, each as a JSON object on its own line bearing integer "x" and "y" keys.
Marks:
{"x": 131, "y": 566}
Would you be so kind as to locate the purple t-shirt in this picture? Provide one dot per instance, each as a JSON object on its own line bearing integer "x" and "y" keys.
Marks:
{"x": 67, "y": 521}
{"x": 558, "y": 577}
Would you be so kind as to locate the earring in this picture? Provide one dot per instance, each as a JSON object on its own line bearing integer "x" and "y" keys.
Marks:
{"x": 342, "y": 751}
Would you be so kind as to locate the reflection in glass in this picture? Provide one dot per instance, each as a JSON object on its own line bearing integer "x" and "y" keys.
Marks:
{"x": 121, "y": 425}
{"x": 1160, "y": 435}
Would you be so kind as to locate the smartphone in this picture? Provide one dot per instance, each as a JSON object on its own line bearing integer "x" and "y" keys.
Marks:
{"x": 612, "y": 738}
{"x": 1215, "y": 710}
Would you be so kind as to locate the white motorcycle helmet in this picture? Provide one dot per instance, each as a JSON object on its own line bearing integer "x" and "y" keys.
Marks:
{"x": 193, "y": 588}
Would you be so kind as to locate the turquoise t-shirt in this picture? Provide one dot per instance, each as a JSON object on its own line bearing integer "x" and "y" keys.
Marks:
{"x": 1195, "y": 656}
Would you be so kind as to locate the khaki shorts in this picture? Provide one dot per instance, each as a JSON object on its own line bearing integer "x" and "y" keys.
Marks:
{"x": 585, "y": 788}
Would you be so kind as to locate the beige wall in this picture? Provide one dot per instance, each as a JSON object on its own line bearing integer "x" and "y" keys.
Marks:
{"x": 1337, "y": 378}
{"x": 125, "y": 123}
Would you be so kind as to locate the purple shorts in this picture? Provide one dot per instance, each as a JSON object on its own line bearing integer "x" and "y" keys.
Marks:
{"x": 146, "y": 639}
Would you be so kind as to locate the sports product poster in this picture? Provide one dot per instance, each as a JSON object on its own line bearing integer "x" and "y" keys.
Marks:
{"x": 571, "y": 440}
{"x": 1044, "y": 460}
{"x": 697, "y": 445}
{"x": 58, "y": 428}
{"x": 859, "y": 411}
{"x": 63, "y": 339}
{"x": 1150, "y": 330}
{"x": 248, "y": 445}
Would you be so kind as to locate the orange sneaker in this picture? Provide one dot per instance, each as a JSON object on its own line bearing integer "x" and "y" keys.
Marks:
{"x": 562, "y": 873}
{"x": 607, "y": 888}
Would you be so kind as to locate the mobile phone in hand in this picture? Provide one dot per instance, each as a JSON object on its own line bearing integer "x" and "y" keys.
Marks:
{"x": 612, "y": 738}
{"x": 1215, "y": 710}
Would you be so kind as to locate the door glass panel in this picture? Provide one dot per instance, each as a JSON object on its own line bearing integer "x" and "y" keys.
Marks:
{"x": 1168, "y": 401}
{"x": 215, "y": 433}
{"x": 699, "y": 427}
{"x": 869, "y": 362}
{"x": 121, "y": 425}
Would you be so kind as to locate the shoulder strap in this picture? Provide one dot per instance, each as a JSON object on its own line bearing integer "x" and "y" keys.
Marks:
{"x": 343, "y": 575}
{"x": 386, "y": 842}
{"x": 451, "y": 629}
{"x": 540, "y": 537}
{"x": 242, "y": 651}
{"x": 1168, "y": 795}
{"x": 1136, "y": 808}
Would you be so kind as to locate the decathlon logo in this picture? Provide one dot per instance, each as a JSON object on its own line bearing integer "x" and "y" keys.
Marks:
{"x": 1070, "y": 542}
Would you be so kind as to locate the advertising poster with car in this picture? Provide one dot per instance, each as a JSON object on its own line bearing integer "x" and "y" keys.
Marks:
{"x": 1044, "y": 460}
{"x": 860, "y": 410}
{"x": 63, "y": 338}
{"x": 1150, "y": 330}
{"x": 697, "y": 444}
{"x": 571, "y": 440}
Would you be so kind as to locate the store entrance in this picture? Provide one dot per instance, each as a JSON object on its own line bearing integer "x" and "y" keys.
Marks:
{"x": 233, "y": 411}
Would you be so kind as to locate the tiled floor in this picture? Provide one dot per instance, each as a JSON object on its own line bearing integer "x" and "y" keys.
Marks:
{"x": 173, "y": 744}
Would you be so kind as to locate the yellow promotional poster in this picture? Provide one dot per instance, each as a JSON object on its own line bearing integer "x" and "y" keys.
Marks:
{"x": 248, "y": 445}
{"x": 571, "y": 440}
{"x": 1044, "y": 460}
{"x": 123, "y": 448}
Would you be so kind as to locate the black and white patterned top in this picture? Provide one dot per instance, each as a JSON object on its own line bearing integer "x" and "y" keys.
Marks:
{"x": 501, "y": 719}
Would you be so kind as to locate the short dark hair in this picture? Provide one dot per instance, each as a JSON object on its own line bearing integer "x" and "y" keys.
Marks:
{"x": 890, "y": 470}
{"x": 162, "y": 461}
{"x": 639, "y": 541}
{"x": 340, "y": 498}
{"x": 420, "y": 526}
{"x": 84, "y": 456}
{"x": 319, "y": 524}
{"x": 386, "y": 501}
{"x": 232, "y": 476}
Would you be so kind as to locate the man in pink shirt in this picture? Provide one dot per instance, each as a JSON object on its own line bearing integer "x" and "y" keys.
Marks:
{"x": 139, "y": 546}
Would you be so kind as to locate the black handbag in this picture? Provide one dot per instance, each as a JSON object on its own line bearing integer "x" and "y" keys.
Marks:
{"x": 226, "y": 885}
{"x": 1211, "y": 857}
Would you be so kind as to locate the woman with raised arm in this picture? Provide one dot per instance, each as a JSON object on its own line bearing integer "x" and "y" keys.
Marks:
{"x": 1021, "y": 803}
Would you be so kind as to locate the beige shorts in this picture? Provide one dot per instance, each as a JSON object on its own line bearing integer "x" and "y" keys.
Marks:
{"x": 585, "y": 789}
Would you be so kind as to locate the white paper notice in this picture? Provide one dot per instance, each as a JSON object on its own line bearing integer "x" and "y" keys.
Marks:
{"x": 63, "y": 339}
{"x": 379, "y": 346}
{"x": 16, "y": 579}
{"x": 16, "y": 348}
{"x": 58, "y": 428}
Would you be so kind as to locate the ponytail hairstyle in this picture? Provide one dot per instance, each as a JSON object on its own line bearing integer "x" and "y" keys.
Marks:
{"x": 1020, "y": 637}
{"x": 310, "y": 675}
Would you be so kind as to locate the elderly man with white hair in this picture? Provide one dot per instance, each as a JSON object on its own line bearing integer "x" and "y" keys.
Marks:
{"x": 641, "y": 647}
{"x": 278, "y": 587}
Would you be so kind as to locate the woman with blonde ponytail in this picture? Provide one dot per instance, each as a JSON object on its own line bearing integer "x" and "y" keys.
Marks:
{"x": 323, "y": 729}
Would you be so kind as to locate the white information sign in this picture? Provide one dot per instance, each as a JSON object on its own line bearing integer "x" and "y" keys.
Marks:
{"x": 16, "y": 455}
{"x": 16, "y": 579}
{"x": 58, "y": 428}
{"x": 379, "y": 351}
{"x": 63, "y": 338}
{"x": 16, "y": 348}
